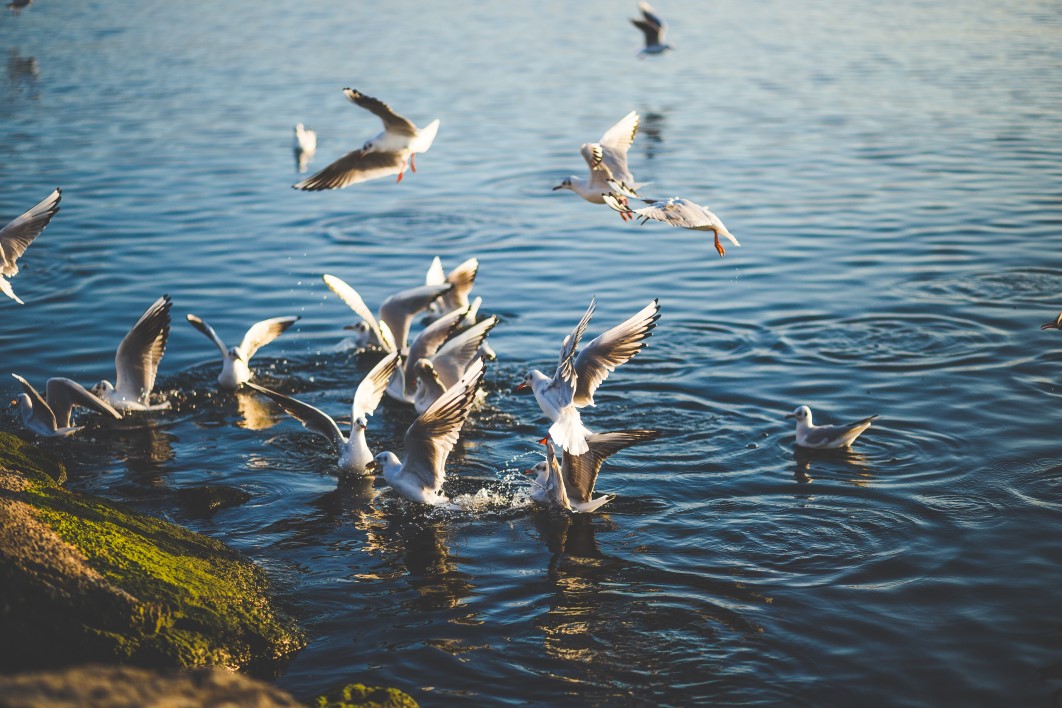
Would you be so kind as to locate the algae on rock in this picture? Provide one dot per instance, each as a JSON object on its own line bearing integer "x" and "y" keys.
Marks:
{"x": 86, "y": 579}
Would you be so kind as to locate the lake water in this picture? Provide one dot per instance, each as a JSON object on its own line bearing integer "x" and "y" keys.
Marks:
{"x": 894, "y": 173}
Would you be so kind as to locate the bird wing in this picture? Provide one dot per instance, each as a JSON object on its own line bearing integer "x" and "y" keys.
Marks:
{"x": 433, "y": 435}
{"x": 264, "y": 332}
{"x": 828, "y": 434}
{"x": 313, "y": 419}
{"x": 206, "y": 329}
{"x": 393, "y": 122}
{"x": 428, "y": 342}
{"x": 63, "y": 394}
{"x": 399, "y": 309}
{"x": 436, "y": 275}
{"x": 456, "y": 355}
{"x": 580, "y": 471}
{"x": 555, "y": 487}
{"x": 41, "y": 409}
{"x": 371, "y": 389}
{"x": 620, "y": 136}
{"x": 462, "y": 278}
{"x": 356, "y": 166}
{"x": 350, "y": 296}
{"x": 19, "y": 233}
{"x": 649, "y": 29}
{"x": 562, "y": 387}
{"x": 608, "y": 350}
{"x": 678, "y": 212}
{"x": 141, "y": 350}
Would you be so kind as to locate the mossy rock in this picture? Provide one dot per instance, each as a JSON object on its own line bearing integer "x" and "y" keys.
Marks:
{"x": 86, "y": 579}
{"x": 356, "y": 695}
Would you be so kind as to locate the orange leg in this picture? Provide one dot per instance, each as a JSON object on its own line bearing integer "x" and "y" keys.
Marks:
{"x": 412, "y": 162}
{"x": 719, "y": 246}
{"x": 401, "y": 172}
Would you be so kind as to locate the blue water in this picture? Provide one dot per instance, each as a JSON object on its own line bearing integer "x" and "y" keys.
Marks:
{"x": 894, "y": 173}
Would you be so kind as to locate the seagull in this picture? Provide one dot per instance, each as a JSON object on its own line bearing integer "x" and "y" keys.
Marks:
{"x": 429, "y": 441}
{"x": 391, "y": 332}
{"x": 17, "y": 6}
{"x": 137, "y": 361}
{"x": 678, "y": 212}
{"x": 607, "y": 160}
{"x": 354, "y": 453}
{"x": 1053, "y": 324}
{"x": 578, "y": 377}
{"x": 571, "y": 484}
{"x": 50, "y": 417}
{"x": 826, "y": 437}
{"x": 16, "y": 237}
{"x": 427, "y": 343}
{"x": 305, "y": 146}
{"x": 234, "y": 369}
{"x": 462, "y": 278}
{"x": 654, "y": 30}
{"x": 386, "y": 154}
{"x": 435, "y": 375}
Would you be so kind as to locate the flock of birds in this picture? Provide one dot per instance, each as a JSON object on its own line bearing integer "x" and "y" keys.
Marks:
{"x": 441, "y": 370}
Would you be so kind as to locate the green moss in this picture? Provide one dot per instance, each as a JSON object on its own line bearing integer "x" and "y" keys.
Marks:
{"x": 194, "y": 602}
{"x": 39, "y": 467}
{"x": 356, "y": 695}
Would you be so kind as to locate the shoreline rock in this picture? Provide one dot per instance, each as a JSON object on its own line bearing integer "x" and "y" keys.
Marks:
{"x": 85, "y": 579}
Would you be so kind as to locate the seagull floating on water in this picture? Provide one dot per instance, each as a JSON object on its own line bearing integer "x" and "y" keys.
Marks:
{"x": 50, "y": 417}
{"x": 826, "y": 437}
{"x": 16, "y": 237}
{"x": 429, "y": 441}
{"x": 386, "y": 154}
{"x": 304, "y": 143}
{"x": 654, "y": 30}
{"x": 570, "y": 485}
{"x": 1053, "y": 324}
{"x": 607, "y": 160}
{"x": 391, "y": 331}
{"x": 137, "y": 361}
{"x": 234, "y": 367}
{"x": 578, "y": 377}
{"x": 681, "y": 213}
{"x": 354, "y": 453}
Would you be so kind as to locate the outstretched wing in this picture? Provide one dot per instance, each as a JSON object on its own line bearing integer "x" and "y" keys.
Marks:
{"x": 371, "y": 389}
{"x": 564, "y": 379}
{"x": 833, "y": 434}
{"x": 41, "y": 409}
{"x": 350, "y": 296}
{"x": 455, "y": 356}
{"x": 356, "y": 166}
{"x": 206, "y": 329}
{"x": 399, "y": 309}
{"x": 580, "y": 471}
{"x": 608, "y": 350}
{"x": 264, "y": 332}
{"x": 433, "y": 435}
{"x": 63, "y": 394}
{"x": 141, "y": 350}
{"x": 16, "y": 237}
{"x": 428, "y": 342}
{"x": 393, "y": 122}
{"x": 313, "y": 419}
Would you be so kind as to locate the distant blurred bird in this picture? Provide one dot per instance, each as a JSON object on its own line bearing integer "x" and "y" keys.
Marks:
{"x": 354, "y": 453}
{"x": 304, "y": 144}
{"x": 50, "y": 417}
{"x": 607, "y": 160}
{"x": 1053, "y": 324}
{"x": 826, "y": 437}
{"x": 654, "y": 30}
{"x": 137, "y": 361}
{"x": 16, "y": 237}
{"x": 235, "y": 360}
{"x": 678, "y": 212}
{"x": 18, "y": 5}
{"x": 386, "y": 154}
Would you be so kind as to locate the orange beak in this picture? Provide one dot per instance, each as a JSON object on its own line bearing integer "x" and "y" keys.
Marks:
{"x": 544, "y": 440}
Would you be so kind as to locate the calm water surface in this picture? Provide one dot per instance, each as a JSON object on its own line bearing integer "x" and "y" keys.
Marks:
{"x": 893, "y": 172}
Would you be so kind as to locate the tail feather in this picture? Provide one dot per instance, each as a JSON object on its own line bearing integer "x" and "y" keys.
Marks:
{"x": 593, "y": 504}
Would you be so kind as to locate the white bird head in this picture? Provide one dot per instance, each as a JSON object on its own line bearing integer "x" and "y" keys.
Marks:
{"x": 362, "y": 333}
{"x": 801, "y": 414}
{"x": 360, "y": 423}
{"x": 237, "y": 354}
{"x": 101, "y": 388}
{"x": 566, "y": 184}
{"x": 539, "y": 469}
{"x": 525, "y": 382}
{"x": 25, "y": 406}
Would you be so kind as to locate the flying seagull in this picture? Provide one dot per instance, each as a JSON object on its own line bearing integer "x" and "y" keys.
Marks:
{"x": 16, "y": 237}
{"x": 607, "y": 160}
{"x": 680, "y": 213}
{"x": 654, "y": 30}
{"x": 137, "y": 361}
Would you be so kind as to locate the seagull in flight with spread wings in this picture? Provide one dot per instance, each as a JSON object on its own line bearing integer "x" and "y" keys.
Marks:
{"x": 235, "y": 360}
{"x": 386, "y": 154}
{"x": 678, "y": 212}
{"x": 16, "y": 237}
{"x": 607, "y": 160}
{"x": 654, "y": 30}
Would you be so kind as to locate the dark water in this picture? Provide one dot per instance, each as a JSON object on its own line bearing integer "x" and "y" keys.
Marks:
{"x": 893, "y": 172}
